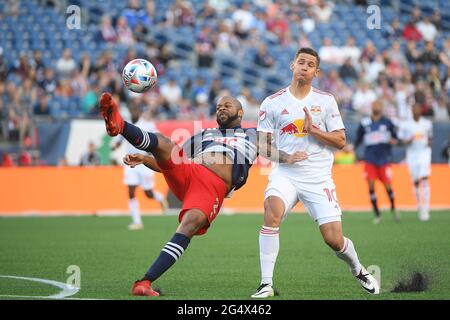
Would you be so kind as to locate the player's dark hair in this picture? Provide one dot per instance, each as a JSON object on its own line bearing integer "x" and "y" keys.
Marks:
{"x": 309, "y": 51}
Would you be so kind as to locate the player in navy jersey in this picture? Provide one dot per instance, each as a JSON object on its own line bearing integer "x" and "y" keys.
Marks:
{"x": 378, "y": 134}
{"x": 201, "y": 173}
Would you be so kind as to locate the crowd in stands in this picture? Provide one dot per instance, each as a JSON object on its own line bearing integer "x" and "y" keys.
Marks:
{"x": 412, "y": 67}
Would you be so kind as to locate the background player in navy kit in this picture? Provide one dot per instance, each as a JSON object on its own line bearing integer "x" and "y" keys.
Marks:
{"x": 209, "y": 166}
{"x": 378, "y": 135}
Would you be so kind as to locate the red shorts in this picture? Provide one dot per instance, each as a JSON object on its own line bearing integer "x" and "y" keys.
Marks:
{"x": 196, "y": 187}
{"x": 383, "y": 173}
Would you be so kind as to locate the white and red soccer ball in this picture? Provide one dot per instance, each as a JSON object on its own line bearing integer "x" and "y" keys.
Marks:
{"x": 139, "y": 75}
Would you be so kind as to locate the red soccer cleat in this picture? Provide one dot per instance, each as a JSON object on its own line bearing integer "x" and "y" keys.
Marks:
{"x": 144, "y": 288}
{"x": 110, "y": 112}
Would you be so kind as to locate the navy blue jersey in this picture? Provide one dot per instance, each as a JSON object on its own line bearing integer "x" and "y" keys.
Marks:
{"x": 376, "y": 136}
{"x": 238, "y": 144}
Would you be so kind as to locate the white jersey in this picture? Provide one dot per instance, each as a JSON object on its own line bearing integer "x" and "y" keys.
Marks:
{"x": 420, "y": 131}
{"x": 282, "y": 115}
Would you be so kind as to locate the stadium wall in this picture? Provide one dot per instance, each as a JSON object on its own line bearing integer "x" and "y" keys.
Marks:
{"x": 99, "y": 190}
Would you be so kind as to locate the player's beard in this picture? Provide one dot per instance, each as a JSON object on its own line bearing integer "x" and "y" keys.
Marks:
{"x": 224, "y": 120}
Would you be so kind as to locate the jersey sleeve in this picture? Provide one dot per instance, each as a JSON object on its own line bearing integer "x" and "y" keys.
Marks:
{"x": 266, "y": 119}
{"x": 189, "y": 145}
{"x": 393, "y": 130}
{"x": 333, "y": 119}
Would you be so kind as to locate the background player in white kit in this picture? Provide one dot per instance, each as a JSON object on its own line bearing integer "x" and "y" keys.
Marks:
{"x": 139, "y": 175}
{"x": 302, "y": 118}
{"x": 417, "y": 135}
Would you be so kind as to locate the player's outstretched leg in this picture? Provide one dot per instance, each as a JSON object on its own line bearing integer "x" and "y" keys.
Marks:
{"x": 344, "y": 249}
{"x": 269, "y": 245}
{"x": 160, "y": 146}
{"x": 192, "y": 221}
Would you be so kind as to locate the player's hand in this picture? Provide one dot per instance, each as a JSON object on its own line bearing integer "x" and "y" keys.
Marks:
{"x": 296, "y": 157}
{"x": 133, "y": 160}
{"x": 308, "y": 120}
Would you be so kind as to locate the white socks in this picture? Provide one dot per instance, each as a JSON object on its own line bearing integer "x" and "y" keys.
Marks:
{"x": 133, "y": 205}
{"x": 348, "y": 254}
{"x": 426, "y": 195}
{"x": 158, "y": 196}
{"x": 269, "y": 245}
{"x": 425, "y": 204}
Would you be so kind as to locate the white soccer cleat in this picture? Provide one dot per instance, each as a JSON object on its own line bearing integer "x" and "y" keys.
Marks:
{"x": 136, "y": 226}
{"x": 376, "y": 220}
{"x": 368, "y": 282}
{"x": 424, "y": 215}
{"x": 265, "y": 290}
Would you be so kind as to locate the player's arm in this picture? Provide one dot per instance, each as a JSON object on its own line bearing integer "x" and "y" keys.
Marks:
{"x": 267, "y": 149}
{"x": 135, "y": 159}
{"x": 359, "y": 136}
{"x": 394, "y": 138}
{"x": 334, "y": 138}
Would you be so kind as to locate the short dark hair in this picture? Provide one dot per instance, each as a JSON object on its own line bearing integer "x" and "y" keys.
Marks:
{"x": 309, "y": 51}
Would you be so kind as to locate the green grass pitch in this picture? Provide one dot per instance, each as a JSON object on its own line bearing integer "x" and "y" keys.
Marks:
{"x": 224, "y": 263}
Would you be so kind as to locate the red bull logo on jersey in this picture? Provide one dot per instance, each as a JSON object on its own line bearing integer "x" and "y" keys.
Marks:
{"x": 296, "y": 128}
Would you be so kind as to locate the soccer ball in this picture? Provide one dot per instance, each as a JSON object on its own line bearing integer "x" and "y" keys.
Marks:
{"x": 139, "y": 75}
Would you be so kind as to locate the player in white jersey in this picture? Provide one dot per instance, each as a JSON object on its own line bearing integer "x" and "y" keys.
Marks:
{"x": 417, "y": 135}
{"x": 301, "y": 118}
{"x": 139, "y": 175}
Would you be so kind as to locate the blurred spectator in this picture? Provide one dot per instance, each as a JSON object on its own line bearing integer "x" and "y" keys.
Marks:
{"x": 374, "y": 68}
{"x": 419, "y": 73}
{"x": 396, "y": 54}
{"x": 347, "y": 72}
{"x": 48, "y": 84}
{"x": 124, "y": 32}
{"x": 350, "y": 50}
{"x": 436, "y": 19}
{"x": 369, "y": 52}
{"x": 393, "y": 30}
{"x": 3, "y": 66}
{"x": 363, "y": 98}
{"x": 279, "y": 28}
{"x": 249, "y": 104}
{"x": 262, "y": 57}
{"x": 323, "y": 11}
{"x": 42, "y": 107}
{"x": 243, "y": 20}
{"x": 38, "y": 65}
{"x": 430, "y": 55}
{"x": 136, "y": 15}
{"x": 427, "y": 29}
{"x": 107, "y": 32}
{"x": 330, "y": 53}
{"x": 441, "y": 109}
{"x": 204, "y": 47}
{"x": 171, "y": 92}
{"x": 412, "y": 54}
{"x": 91, "y": 157}
{"x": 434, "y": 80}
{"x": 66, "y": 64}
{"x": 410, "y": 32}
{"x": 22, "y": 66}
{"x": 444, "y": 55}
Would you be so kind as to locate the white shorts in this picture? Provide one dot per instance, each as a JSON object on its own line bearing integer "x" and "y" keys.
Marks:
{"x": 139, "y": 176}
{"x": 318, "y": 198}
{"x": 419, "y": 169}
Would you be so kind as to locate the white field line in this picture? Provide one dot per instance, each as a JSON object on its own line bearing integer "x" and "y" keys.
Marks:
{"x": 67, "y": 290}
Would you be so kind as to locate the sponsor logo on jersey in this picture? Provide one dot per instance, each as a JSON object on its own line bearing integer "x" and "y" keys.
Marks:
{"x": 295, "y": 128}
{"x": 284, "y": 111}
{"x": 315, "y": 110}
